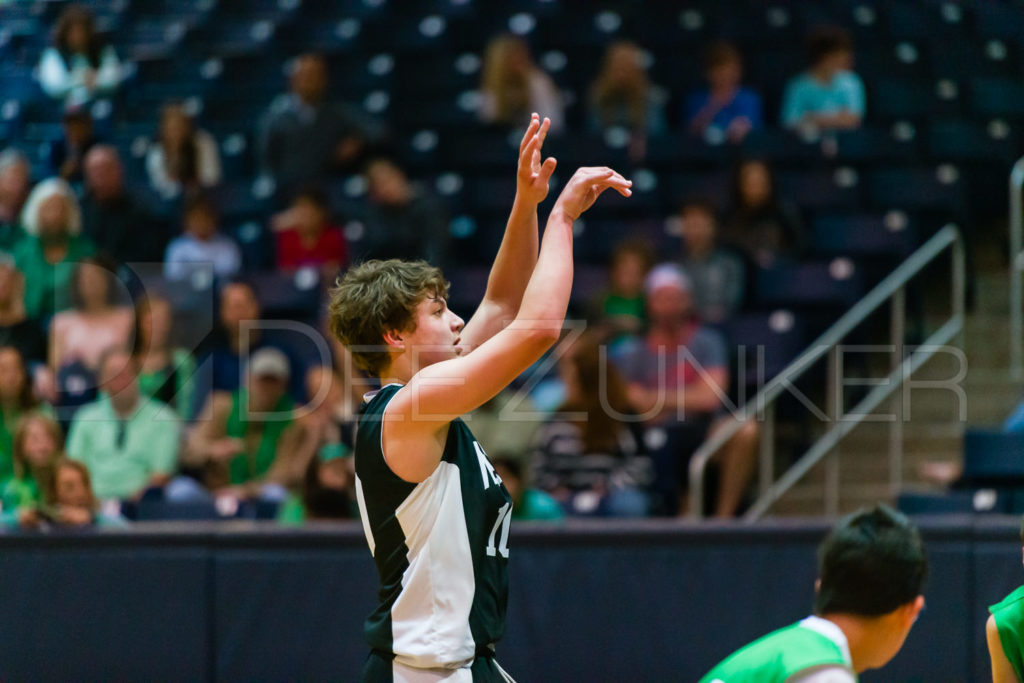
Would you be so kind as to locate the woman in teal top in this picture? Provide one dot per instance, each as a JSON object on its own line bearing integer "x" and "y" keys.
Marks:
{"x": 37, "y": 445}
{"x": 52, "y": 245}
{"x": 1005, "y": 635}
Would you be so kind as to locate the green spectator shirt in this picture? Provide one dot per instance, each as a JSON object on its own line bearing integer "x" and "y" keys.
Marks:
{"x": 1009, "y": 616}
{"x": 123, "y": 455}
{"x": 47, "y": 285}
{"x": 250, "y": 465}
{"x": 18, "y": 492}
{"x": 537, "y": 506}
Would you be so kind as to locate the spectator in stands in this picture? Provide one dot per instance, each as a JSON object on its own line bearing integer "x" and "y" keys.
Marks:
{"x": 238, "y": 446}
{"x": 678, "y": 376}
{"x": 725, "y": 110}
{"x": 761, "y": 225}
{"x": 70, "y": 501}
{"x": 326, "y": 430}
{"x": 128, "y": 441}
{"x": 15, "y": 183}
{"x": 95, "y": 323}
{"x": 16, "y": 401}
{"x": 181, "y": 157}
{"x": 306, "y": 236}
{"x": 35, "y": 448}
{"x": 16, "y": 328}
{"x": 202, "y": 247}
{"x": 328, "y": 491}
{"x": 112, "y": 217}
{"x": 52, "y": 245}
{"x": 305, "y": 136}
{"x": 402, "y": 219}
{"x": 165, "y": 369}
{"x": 528, "y": 504}
{"x": 716, "y": 274}
{"x": 620, "y": 310}
{"x": 513, "y": 87}
{"x": 239, "y": 330}
{"x": 507, "y": 424}
{"x": 67, "y": 155}
{"x": 829, "y": 95}
{"x": 592, "y": 460}
{"x": 80, "y": 66}
{"x": 623, "y": 96}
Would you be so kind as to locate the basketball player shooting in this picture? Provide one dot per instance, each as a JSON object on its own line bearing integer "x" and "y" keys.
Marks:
{"x": 435, "y": 513}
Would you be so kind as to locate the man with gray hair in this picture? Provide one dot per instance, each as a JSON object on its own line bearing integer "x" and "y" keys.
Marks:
{"x": 15, "y": 183}
{"x": 116, "y": 221}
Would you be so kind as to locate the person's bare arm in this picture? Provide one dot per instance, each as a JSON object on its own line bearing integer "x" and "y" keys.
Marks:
{"x": 417, "y": 418}
{"x": 701, "y": 396}
{"x": 517, "y": 255}
{"x": 208, "y": 440}
{"x": 1002, "y": 670}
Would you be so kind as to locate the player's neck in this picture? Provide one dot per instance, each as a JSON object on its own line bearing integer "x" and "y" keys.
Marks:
{"x": 862, "y": 637}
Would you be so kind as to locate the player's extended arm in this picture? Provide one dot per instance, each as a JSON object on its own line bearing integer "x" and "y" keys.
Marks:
{"x": 417, "y": 417}
{"x": 1002, "y": 670}
{"x": 517, "y": 255}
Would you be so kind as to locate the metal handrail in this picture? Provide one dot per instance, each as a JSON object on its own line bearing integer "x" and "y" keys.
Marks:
{"x": 761, "y": 406}
{"x": 1016, "y": 266}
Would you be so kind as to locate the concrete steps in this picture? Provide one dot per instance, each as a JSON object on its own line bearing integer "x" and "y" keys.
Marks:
{"x": 934, "y": 426}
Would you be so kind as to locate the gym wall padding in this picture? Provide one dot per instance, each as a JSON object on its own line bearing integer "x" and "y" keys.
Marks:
{"x": 615, "y": 601}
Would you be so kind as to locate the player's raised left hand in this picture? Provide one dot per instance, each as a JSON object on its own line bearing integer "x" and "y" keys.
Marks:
{"x": 533, "y": 176}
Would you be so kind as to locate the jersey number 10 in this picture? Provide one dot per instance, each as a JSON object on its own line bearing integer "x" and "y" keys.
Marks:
{"x": 504, "y": 519}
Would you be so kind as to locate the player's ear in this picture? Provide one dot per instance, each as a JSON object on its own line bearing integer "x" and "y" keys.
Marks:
{"x": 393, "y": 338}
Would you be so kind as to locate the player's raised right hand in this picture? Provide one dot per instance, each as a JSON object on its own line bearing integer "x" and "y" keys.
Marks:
{"x": 586, "y": 185}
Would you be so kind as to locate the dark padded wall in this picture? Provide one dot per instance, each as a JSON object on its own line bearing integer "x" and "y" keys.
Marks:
{"x": 657, "y": 601}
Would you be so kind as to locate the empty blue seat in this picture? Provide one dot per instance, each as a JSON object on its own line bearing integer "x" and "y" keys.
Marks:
{"x": 1003, "y": 20}
{"x": 966, "y": 141}
{"x": 864, "y": 234}
{"x": 938, "y": 188}
{"x": 288, "y": 295}
{"x": 821, "y": 188}
{"x": 769, "y": 340}
{"x": 954, "y": 502}
{"x": 812, "y": 285}
{"x": 997, "y": 97}
{"x": 993, "y": 455}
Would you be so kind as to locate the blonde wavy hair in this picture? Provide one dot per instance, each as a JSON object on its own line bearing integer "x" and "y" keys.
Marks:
{"x": 43, "y": 191}
{"x": 510, "y": 90}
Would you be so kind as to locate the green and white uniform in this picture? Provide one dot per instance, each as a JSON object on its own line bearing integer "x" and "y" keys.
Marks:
{"x": 811, "y": 650}
{"x": 441, "y": 550}
{"x": 1009, "y": 616}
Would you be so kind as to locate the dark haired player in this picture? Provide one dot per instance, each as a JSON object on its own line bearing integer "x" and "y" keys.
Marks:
{"x": 872, "y": 566}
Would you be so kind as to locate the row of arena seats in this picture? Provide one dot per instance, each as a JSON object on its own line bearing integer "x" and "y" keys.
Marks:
{"x": 992, "y": 479}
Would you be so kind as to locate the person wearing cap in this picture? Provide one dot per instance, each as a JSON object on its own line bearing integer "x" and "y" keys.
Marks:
{"x": 236, "y": 442}
{"x": 128, "y": 441}
{"x": 678, "y": 375}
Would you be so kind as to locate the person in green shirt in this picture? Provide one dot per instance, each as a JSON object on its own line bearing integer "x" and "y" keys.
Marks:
{"x": 1004, "y": 632}
{"x": 528, "y": 504}
{"x": 129, "y": 442}
{"x": 621, "y": 308}
{"x": 36, "y": 444}
{"x": 166, "y": 372}
{"x": 52, "y": 245}
{"x": 16, "y": 400}
{"x": 872, "y": 567}
{"x": 236, "y": 441}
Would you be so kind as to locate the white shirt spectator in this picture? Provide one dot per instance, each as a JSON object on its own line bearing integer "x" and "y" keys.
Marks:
{"x": 186, "y": 254}
{"x": 207, "y": 166}
{"x": 69, "y": 80}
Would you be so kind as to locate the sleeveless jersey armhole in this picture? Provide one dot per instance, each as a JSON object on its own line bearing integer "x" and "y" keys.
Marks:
{"x": 384, "y": 454}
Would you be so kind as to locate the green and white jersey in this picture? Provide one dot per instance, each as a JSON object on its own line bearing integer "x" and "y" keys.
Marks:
{"x": 440, "y": 546}
{"x": 1009, "y": 614}
{"x": 812, "y": 650}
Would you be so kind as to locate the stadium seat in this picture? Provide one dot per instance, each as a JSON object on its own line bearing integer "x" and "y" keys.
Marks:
{"x": 973, "y": 142}
{"x": 864, "y": 234}
{"x": 810, "y": 285}
{"x": 769, "y": 341}
{"x": 955, "y": 502}
{"x": 288, "y": 295}
{"x": 998, "y": 97}
{"x": 939, "y": 188}
{"x": 821, "y": 188}
{"x": 993, "y": 456}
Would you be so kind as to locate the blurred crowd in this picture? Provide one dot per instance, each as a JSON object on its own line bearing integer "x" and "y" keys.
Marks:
{"x": 112, "y": 407}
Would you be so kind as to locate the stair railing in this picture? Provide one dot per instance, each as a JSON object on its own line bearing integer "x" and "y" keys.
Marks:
{"x": 762, "y": 406}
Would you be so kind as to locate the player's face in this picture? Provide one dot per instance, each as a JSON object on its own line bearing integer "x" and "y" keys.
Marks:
{"x": 436, "y": 337}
